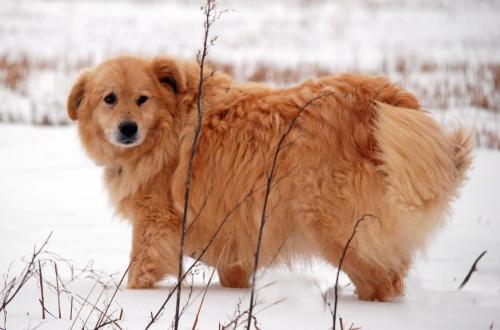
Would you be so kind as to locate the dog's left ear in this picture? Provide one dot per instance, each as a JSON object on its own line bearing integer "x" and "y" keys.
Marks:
{"x": 76, "y": 96}
{"x": 169, "y": 74}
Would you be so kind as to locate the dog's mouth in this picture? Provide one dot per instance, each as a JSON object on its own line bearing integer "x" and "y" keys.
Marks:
{"x": 123, "y": 141}
{"x": 127, "y": 141}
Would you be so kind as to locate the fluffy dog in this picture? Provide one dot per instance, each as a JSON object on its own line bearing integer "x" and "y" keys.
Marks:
{"x": 360, "y": 145}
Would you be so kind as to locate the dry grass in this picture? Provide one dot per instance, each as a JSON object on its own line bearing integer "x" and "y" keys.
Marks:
{"x": 442, "y": 86}
{"x": 437, "y": 85}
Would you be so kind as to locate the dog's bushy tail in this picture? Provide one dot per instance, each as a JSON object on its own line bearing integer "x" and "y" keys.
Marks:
{"x": 423, "y": 166}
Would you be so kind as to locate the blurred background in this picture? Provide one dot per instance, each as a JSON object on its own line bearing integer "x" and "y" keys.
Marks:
{"x": 444, "y": 51}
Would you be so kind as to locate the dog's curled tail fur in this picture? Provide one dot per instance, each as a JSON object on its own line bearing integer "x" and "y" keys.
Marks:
{"x": 423, "y": 166}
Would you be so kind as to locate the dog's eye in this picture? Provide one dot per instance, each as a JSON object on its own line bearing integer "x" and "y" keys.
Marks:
{"x": 142, "y": 99}
{"x": 110, "y": 98}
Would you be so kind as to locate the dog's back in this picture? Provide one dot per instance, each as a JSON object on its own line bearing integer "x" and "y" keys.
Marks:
{"x": 361, "y": 145}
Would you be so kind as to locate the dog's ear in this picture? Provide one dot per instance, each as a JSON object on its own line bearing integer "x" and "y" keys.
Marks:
{"x": 169, "y": 74}
{"x": 76, "y": 96}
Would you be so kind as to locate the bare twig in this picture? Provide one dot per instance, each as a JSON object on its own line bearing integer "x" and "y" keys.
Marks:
{"x": 10, "y": 292}
{"x": 45, "y": 309}
{"x": 98, "y": 324}
{"x": 472, "y": 270}
{"x": 85, "y": 300}
{"x": 189, "y": 301}
{"x": 107, "y": 323}
{"x": 270, "y": 178}
{"x": 94, "y": 307}
{"x": 71, "y": 309}
{"x": 58, "y": 290}
{"x": 235, "y": 321}
{"x": 208, "y": 13}
{"x": 42, "y": 300}
{"x": 195, "y": 323}
{"x": 342, "y": 257}
{"x": 199, "y": 257}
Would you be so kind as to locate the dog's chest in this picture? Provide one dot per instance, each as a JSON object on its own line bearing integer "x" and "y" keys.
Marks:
{"x": 120, "y": 184}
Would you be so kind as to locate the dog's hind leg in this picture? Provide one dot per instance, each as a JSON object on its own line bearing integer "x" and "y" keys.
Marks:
{"x": 233, "y": 271}
{"x": 154, "y": 252}
{"x": 373, "y": 279}
{"x": 234, "y": 275}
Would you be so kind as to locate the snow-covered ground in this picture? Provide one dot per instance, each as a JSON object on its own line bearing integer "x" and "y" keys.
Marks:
{"x": 47, "y": 184}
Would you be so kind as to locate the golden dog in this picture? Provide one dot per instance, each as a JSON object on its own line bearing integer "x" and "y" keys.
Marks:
{"x": 360, "y": 145}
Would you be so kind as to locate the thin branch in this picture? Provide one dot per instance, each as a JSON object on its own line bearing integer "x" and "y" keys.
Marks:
{"x": 85, "y": 300}
{"x": 342, "y": 257}
{"x": 195, "y": 323}
{"x": 94, "y": 307}
{"x": 98, "y": 325}
{"x": 269, "y": 184}
{"x": 205, "y": 249}
{"x": 25, "y": 276}
{"x": 107, "y": 323}
{"x": 472, "y": 270}
{"x": 58, "y": 290}
{"x": 45, "y": 309}
{"x": 208, "y": 9}
{"x": 42, "y": 299}
{"x": 71, "y": 309}
{"x": 202, "y": 253}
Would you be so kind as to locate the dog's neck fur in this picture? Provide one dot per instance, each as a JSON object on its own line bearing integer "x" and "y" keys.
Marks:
{"x": 124, "y": 179}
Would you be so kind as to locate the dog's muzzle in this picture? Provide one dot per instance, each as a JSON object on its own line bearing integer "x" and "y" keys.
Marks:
{"x": 127, "y": 132}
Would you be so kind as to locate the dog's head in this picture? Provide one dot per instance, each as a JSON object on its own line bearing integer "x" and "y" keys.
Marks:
{"x": 123, "y": 104}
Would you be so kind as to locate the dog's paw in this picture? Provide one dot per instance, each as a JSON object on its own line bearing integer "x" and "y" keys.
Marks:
{"x": 143, "y": 281}
{"x": 382, "y": 290}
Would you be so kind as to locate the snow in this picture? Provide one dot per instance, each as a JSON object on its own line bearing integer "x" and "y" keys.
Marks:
{"x": 48, "y": 184}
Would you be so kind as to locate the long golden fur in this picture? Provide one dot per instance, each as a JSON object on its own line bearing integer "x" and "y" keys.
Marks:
{"x": 364, "y": 147}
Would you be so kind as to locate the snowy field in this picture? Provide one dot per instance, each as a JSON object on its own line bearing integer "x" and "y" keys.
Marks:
{"x": 445, "y": 51}
{"x": 48, "y": 184}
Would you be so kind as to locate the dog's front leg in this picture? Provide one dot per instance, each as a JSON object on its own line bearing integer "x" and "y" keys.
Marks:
{"x": 155, "y": 246}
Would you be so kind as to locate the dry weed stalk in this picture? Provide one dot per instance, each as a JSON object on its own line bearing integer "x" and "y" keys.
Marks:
{"x": 472, "y": 270}
{"x": 154, "y": 317}
{"x": 269, "y": 183}
{"x": 195, "y": 323}
{"x": 85, "y": 301}
{"x": 100, "y": 321}
{"x": 210, "y": 16}
{"x": 12, "y": 287}
{"x": 342, "y": 257}
{"x": 42, "y": 298}
{"x": 58, "y": 291}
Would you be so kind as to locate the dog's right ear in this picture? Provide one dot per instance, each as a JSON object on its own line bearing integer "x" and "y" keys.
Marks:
{"x": 76, "y": 96}
{"x": 169, "y": 74}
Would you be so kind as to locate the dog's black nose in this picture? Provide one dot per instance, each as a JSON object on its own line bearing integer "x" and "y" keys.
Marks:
{"x": 128, "y": 128}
